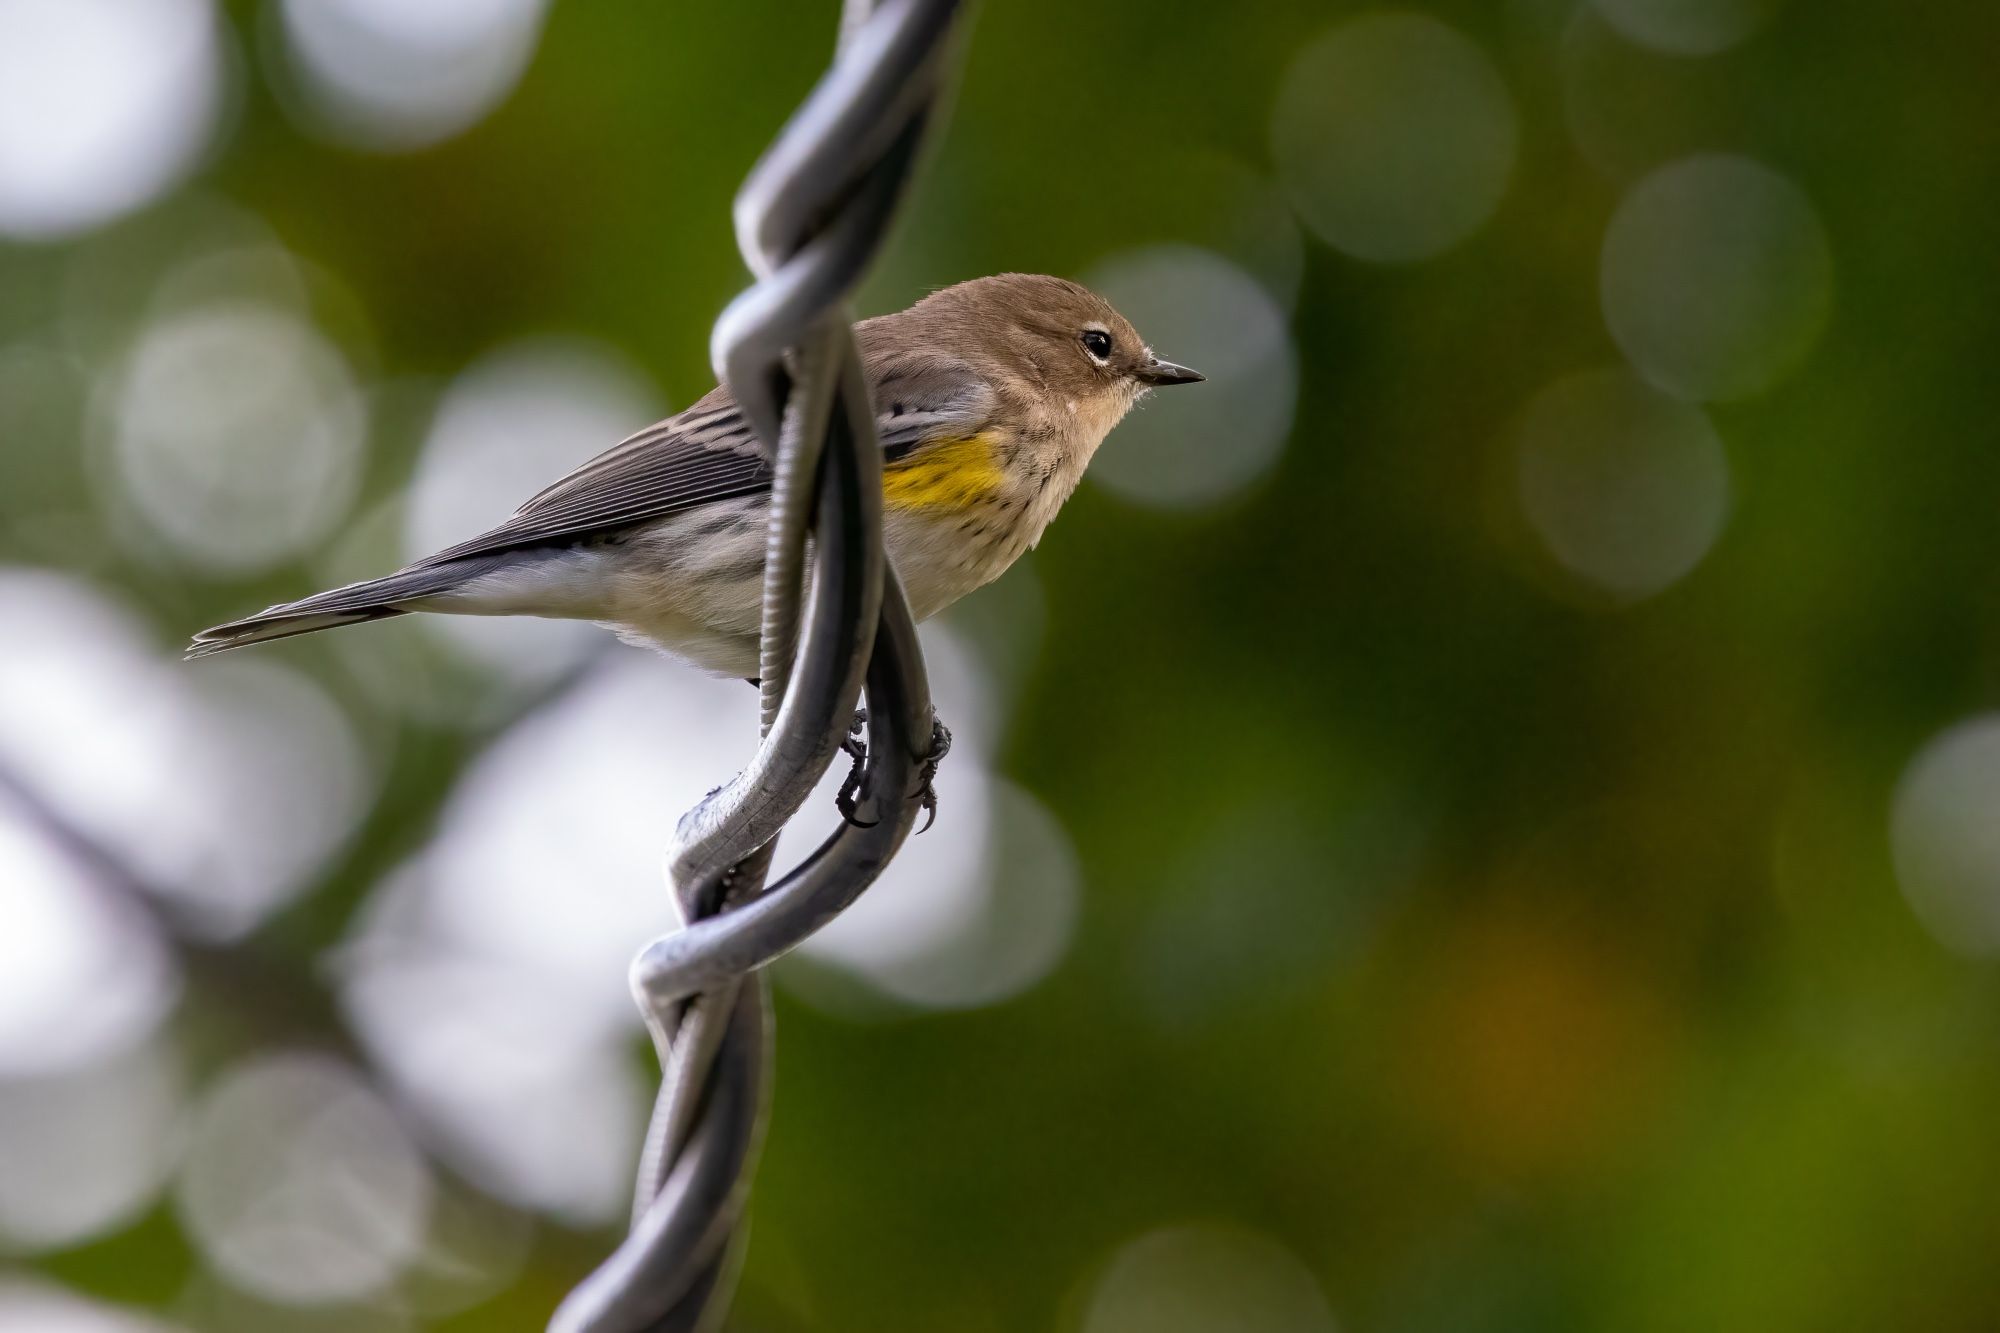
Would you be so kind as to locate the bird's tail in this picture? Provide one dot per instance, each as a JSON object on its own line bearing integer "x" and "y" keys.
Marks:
{"x": 376, "y": 599}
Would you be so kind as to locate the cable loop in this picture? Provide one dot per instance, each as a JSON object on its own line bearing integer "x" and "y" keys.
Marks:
{"x": 810, "y": 220}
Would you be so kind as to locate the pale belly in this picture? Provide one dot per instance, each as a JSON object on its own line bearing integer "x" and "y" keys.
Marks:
{"x": 692, "y": 584}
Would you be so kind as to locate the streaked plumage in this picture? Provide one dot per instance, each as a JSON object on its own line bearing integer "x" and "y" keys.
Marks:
{"x": 991, "y": 397}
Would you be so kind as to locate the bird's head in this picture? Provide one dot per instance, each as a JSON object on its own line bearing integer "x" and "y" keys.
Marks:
{"x": 1058, "y": 336}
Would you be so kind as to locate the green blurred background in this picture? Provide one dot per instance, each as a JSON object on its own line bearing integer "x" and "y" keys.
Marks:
{"x": 1482, "y": 817}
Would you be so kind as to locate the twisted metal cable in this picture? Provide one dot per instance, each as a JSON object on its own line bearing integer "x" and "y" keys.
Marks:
{"x": 809, "y": 219}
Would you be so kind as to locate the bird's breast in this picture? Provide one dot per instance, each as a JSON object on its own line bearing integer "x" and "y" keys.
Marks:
{"x": 941, "y": 556}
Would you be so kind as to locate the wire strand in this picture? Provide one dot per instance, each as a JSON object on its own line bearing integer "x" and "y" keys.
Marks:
{"x": 811, "y": 218}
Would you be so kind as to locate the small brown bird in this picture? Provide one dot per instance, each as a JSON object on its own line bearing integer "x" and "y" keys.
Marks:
{"x": 991, "y": 397}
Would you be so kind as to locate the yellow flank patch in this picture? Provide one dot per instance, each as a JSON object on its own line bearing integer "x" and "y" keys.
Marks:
{"x": 956, "y": 474}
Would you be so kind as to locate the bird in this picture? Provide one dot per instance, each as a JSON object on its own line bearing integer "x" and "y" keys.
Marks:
{"x": 991, "y": 396}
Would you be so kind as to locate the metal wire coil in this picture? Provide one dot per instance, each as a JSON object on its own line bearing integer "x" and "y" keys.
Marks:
{"x": 809, "y": 220}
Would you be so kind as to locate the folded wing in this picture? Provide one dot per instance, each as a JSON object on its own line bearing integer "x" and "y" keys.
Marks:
{"x": 709, "y": 453}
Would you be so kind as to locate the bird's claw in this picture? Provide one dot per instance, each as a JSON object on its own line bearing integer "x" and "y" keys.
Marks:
{"x": 857, "y": 750}
{"x": 927, "y": 800}
{"x": 856, "y": 747}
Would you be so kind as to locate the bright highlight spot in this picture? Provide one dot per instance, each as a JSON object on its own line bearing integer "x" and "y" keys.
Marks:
{"x": 977, "y": 934}
{"x": 1201, "y": 1279}
{"x": 83, "y": 976}
{"x": 530, "y": 1091}
{"x": 1626, "y": 487}
{"x": 83, "y": 1152}
{"x": 1716, "y": 277}
{"x": 512, "y": 423}
{"x": 548, "y": 855}
{"x": 33, "y": 1304}
{"x": 394, "y": 75}
{"x": 489, "y": 977}
{"x": 300, "y": 1185}
{"x": 239, "y": 435}
{"x": 1627, "y": 110}
{"x": 1208, "y": 441}
{"x": 104, "y": 105}
{"x": 281, "y": 782}
{"x": 1395, "y": 136}
{"x": 1687, "y": 27}
{"x": 223, "y": 788}
{"x": 1945, "y": 833}
{"x": 977, "y": 917}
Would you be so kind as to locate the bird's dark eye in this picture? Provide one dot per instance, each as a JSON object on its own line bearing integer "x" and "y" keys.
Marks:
{"x": 1098, "y": 343}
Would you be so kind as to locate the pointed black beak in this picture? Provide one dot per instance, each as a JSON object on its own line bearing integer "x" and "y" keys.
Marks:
{"x": 1160, "y": 373}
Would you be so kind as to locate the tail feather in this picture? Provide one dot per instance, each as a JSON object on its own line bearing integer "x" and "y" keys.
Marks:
{"x": 269, "y": 625}
{"x": 374, "y": 599}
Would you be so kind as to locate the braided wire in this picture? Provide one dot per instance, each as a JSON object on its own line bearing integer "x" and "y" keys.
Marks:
{"x": 810, "y": 219}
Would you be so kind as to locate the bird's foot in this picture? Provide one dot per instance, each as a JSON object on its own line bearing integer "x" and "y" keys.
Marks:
{"x": 927, "y": 772}
{"x": 856, "y": 747}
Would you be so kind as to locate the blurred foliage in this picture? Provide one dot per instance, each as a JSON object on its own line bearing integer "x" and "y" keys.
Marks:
{"x": 1515, "y": 956}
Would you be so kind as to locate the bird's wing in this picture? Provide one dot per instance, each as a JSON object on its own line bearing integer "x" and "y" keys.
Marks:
{"x": 709, "y": 453}
{"x": 922, "y": 401}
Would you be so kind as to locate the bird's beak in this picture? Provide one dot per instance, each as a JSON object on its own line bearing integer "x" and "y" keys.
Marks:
{"x": 1158, "y": 373}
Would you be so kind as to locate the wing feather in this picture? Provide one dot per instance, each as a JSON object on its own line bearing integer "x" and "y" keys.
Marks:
{"x": 708, "y": 453}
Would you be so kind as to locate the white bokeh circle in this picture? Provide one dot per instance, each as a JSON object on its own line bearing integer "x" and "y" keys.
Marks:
{"x": 387, "y": 74}
{"x": 1945, "y": 835}
{"x": 300, "y": 1185}
{"x": 104, "y": 105}
{"x": 36, "y": 1305}
{"x": 278, "y": 782}
{"x": 1626, "y": 487}
{"x": 991, "y": 927}
{"x": 1193, "y": 445}
{"x": 84, "y": 976}
{"x": 1395, "y": 136}
{"x": 223, "y": 787}
{"x": 981, "y": 915}
{"x": 547, "y": 855}
{"x": 511, "y": 423}
{"x": 520, "y": 1080}
{"x": 84, "y": 1151}
{"x": 1203, "y": 1278}
{"x": 1716, "y": 277}
{"x": 1687, "y": 27}
{"x": 237, "y": 434}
